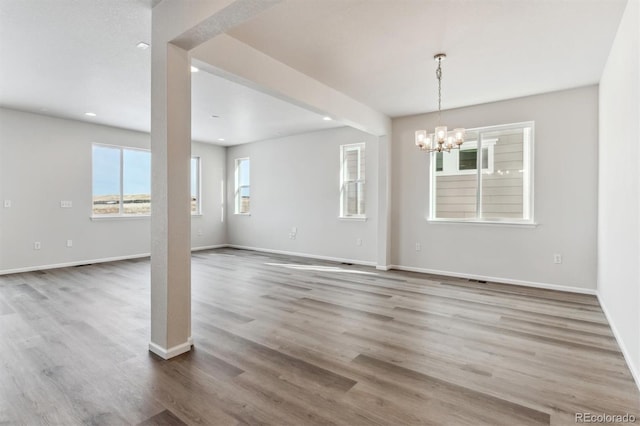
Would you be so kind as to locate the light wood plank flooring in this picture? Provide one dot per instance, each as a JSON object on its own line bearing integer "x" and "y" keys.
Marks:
{"x": 282, "y": 340}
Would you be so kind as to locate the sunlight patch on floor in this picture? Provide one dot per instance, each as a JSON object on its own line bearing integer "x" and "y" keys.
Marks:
{"x": 319, "y": 268}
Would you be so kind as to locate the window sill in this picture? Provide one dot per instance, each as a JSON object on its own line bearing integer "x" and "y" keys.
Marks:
{"x": 121, "y": 217}
{"x": 131, "y": 216}
{"x": 353, "y": 218}
{"x": 242, "y": 214}
{"x": 523, "y": 224}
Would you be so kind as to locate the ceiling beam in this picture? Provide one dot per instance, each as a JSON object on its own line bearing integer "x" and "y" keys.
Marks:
{"x": 188, "y": 24}
{"x": 239, "y": 62}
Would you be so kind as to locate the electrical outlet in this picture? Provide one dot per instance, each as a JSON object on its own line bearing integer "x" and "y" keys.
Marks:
{"x": 37, "y": 245}
{"x": 358, "y": 241}
{"x": 7, "y": 204}
{"x": 69, "y": 243}
{"x": 66, "y": 204}
{"x": 557, "y": 258}
{"x": 418, "y": 246}
{"x": 294, "y": 230}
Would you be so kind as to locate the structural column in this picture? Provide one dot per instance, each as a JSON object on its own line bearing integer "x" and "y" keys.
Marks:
{"x": 177, "y": 27}
{"x": 170, "y": 194}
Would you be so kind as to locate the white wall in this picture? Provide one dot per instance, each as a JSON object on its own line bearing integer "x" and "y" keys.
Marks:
{"x": 45, "y": 160}
{"x": 208, "y": 229}
{"x": 565, "y": 180}
{"x": 619, "y": 186}
{"x": 295, "y": 182}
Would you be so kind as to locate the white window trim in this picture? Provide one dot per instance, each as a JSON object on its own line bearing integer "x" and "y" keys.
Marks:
{"x": 222, "y": 199}
{"x": 106, "y": 217}
{"x": 198, "y": 159}
{"x": 238, "y": 187}
{"x": 120, "y": 213}
{"x": 489, "y": 222}
{"x": 528, "y": 182}
{"x": 360, "y": 146}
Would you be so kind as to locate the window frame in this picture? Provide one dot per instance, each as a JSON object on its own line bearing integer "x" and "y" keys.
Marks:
{"x": 198, "y": 211}
{"x": 223, "y": 199}
{"x": 238, "y": 187}
{"x": 121, "y": 213}
{"x": 527, "y": 185}
{"x": 360, "y": 147}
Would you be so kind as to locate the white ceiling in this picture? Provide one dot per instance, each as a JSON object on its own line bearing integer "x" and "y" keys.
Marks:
{"x": 380, "y": 52}
{"x": 244, "y": 114}
{"x": 68, "y": 57}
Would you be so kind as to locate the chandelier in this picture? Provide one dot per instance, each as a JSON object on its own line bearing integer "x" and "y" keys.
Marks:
{"x": 440, "y": 140}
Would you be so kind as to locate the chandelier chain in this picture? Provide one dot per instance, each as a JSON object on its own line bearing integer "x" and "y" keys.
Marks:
{"x": 439, "y": 76}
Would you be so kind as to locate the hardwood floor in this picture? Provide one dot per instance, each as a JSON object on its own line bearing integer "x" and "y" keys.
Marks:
{"x": 282, "y": 340}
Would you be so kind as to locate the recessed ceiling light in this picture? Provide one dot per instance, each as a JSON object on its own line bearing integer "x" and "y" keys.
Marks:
{"x": 221, "y": 139}
{"x": 142, "y": 45}
{"x": 194, "y": 69}
{"x": 90, "y": 114}
{"x": 327, "y": 118}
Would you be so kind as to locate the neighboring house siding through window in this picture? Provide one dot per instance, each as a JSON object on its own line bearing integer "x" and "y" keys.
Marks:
{"x": 500, "y": 189}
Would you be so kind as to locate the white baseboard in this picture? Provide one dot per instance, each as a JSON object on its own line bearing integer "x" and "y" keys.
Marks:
{"x": 497, "y": 280}
{"x": 173, "y": 351}
{"x": 625, "y": 352}
{"x": 383, "y": 267}
{"x": 307, "y": 255}
{"x": 75, "y": 263}
{"x": 90, "y": 261}
{"x": 209, "y": 247}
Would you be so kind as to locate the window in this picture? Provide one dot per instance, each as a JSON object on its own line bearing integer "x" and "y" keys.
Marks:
{"x": 243, "y": 190}
{"x": 488, "y": 179}
{"x": 222, "y": 200}
{"x": 352, "y": 175}
{"x": 121, "y": 181}
{"x": 136, "y": 182}
{"x": 465, "y": 160}
{"x": 195, "y": 185}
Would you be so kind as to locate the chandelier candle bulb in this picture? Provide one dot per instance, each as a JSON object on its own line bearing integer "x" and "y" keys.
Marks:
{"x": 421, "y": 135}
{"x": 427, "y": 143}
{"x": 441, "y": 133}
